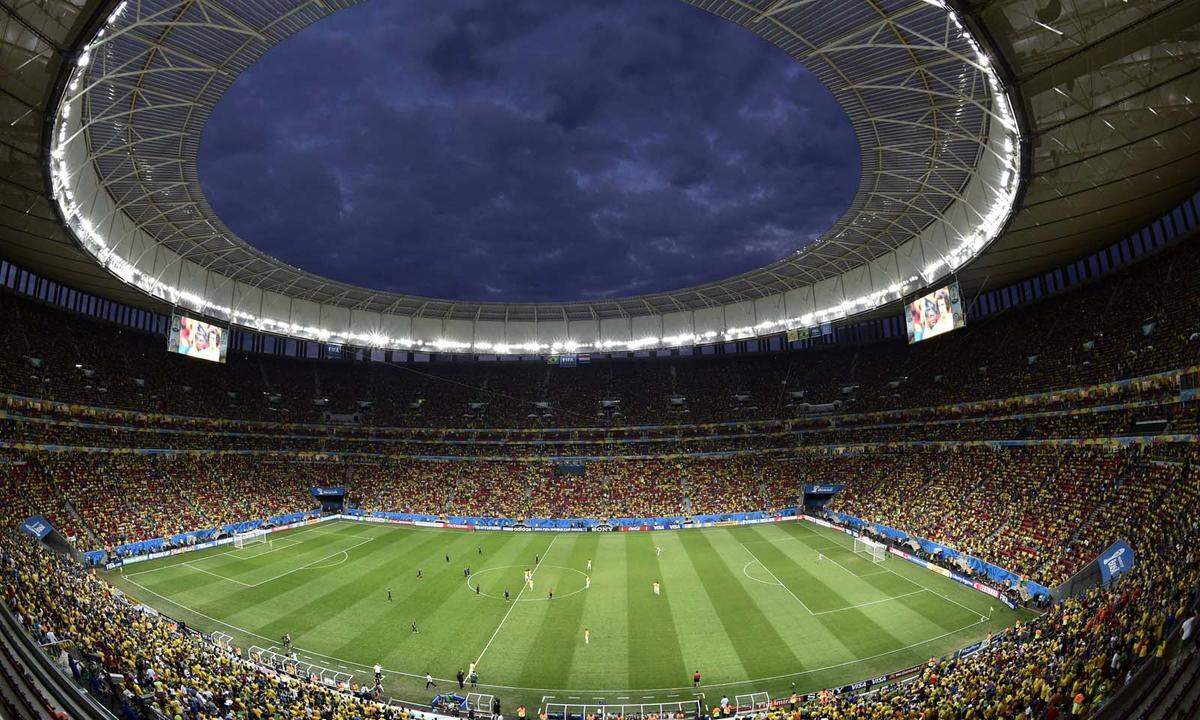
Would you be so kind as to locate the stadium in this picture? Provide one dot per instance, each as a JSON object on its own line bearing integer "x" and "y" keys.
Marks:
{"x": 936, "y": 460}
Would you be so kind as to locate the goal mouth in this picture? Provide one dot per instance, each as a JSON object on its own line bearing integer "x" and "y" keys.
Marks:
{"x": 253, "y": 537}
{"x": 875, "y": 551}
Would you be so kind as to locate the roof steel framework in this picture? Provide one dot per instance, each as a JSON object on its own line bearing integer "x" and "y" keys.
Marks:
{"x": 941, "y": 153}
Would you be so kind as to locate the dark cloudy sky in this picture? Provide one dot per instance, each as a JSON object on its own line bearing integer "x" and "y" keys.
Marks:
{"x": 527, "y": 149}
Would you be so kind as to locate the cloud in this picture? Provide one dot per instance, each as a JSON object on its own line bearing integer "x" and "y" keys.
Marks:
{"x": 527, "y": 149}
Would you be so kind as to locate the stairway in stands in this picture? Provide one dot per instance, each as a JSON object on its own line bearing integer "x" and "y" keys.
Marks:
{"x": 1175, "y": 693}
{"x": 93, "y": 541}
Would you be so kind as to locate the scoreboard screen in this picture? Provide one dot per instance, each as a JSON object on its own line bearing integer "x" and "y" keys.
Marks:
{"x": 197, "y": 338}
{"x": 934, "y": 314}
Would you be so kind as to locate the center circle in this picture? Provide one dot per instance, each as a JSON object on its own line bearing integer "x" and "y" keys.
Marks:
{"x": 517, "y": 590}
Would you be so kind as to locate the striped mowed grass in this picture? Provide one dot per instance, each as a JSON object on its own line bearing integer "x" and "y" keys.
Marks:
{"x": 761, "y": 608}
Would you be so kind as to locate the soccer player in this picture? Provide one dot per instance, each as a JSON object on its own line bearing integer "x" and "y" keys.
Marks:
{"x": 479, "y": 549}
{"x": 657, "y": 588}
{"x": 587, "y": 581}
{"x": 505, "y": 594}
{"x": 286, "y": 641}
{"x": 447, "y": 557}
{"x": 551, "y": 593}
{"x": 820, "y": 557}
{"x": 413, "y": 625}
{"x": 696, "y": 679}
{"x": 378, "y": 673}
{"x": 460, "y": 677}
{"x": 389, "y": 594}
{"x": 429, "y": 681}
{"x": 587, "y": 636}
{"x": 418, "y": 573}
{"x": 589, "y": 565}
{"x": 466, "y": 572}
{"x": 657, "y": 551}
{"x": 537, "y": 559}
{"x": 477, "y": 588}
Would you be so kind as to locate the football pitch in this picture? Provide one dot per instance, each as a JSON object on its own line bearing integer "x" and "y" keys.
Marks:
{"x": 761, "y": 608}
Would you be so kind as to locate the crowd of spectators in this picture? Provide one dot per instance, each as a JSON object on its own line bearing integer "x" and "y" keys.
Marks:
{"x": 102, "y": 500}
{"x": 1041, "y": 512}
{"x": 1063, "y": 664}
{"x": 246, "y": 440}
{"x": 1069, "y": 661}
{"x": 145, "y": 665}
{"x": 1061, "y": 342}
{"x": 1135, "y": 415}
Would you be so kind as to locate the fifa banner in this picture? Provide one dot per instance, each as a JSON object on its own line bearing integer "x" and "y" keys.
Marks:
{"x": 1115, "y": 561}
{"x": 37, "y": 526}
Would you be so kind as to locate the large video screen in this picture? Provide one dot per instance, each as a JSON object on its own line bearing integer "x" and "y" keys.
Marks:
{"x": 934, "y": 314}
{"x": 198, "y": 339}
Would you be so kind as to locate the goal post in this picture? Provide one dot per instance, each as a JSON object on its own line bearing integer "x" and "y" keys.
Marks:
{"x": 874, "y": 551}
{"x": 751, "y": 703}
{"x": 241, "y": 540}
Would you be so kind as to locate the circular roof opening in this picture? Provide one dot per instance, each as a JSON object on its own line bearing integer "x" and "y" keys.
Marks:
{"x": 548, "y": 151}
{"x": 940, "y": 166}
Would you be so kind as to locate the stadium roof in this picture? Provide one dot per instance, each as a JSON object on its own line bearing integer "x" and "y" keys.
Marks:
{"x": 1102, "y": 133}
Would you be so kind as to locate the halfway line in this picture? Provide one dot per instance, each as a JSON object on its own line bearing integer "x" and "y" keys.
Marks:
{"x": 516, "y": 600}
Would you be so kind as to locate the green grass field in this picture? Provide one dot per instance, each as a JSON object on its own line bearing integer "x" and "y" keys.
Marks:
{"x": 753, "y": 608}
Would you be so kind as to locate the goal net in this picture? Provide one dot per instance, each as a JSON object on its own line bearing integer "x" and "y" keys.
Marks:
{"x": 877, "y": 552}
{"x": 241, "y": 540}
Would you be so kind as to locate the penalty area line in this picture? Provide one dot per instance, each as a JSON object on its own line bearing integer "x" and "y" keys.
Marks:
{"x": 775, "y": 578}
{"x": 923, "y": 586}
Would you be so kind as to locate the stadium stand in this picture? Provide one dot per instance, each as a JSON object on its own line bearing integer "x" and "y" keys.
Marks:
{"x": 1070, "y": 659}
{"x": 1032, "y": 465}
{"x": 1142, "y": 331}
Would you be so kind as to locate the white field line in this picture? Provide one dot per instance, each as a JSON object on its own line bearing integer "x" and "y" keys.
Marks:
{"x": 310, "y": 564}
{"x": 323, "y": 531}
{"x": 290, "y": 535}
{"x": 175, "y": 564}
{"x": 872, "y": 602}
{"x": 831, "y": 545}
{"x": 209, "y": 572}
{"x": 272, "y": 547}
{"x": 515, "y": 601}
{"x": 733, "y": 683}
{"x": 746, "y": 572}
{"x": 344, "y": 553}
{"x": 790, "y": 539}
{"x": 773, "y": 576}
{"x": 835, "y": 562}
{"x": 889, "y": 598}
{"x": 974, "y": 612}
